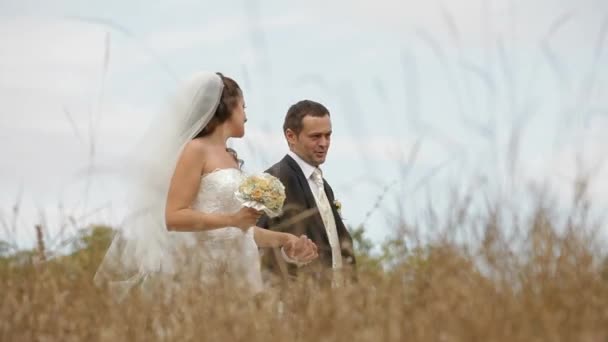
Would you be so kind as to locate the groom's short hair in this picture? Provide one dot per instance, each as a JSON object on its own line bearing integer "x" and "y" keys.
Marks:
{"x": 297, "y": 112}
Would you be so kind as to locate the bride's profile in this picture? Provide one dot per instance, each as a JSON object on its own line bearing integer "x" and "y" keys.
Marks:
{"x": 185, "y": 221}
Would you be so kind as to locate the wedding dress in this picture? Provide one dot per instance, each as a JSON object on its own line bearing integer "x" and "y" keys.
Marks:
{"x": 225, "y": 256}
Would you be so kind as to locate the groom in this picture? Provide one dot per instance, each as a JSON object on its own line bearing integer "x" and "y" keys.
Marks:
{"x": 310, "y": 207}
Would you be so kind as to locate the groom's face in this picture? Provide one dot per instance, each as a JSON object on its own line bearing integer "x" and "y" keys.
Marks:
{"x": 312, "y": 144}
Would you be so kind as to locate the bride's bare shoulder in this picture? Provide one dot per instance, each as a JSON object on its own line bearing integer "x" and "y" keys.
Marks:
{"x": 196, "y": 148}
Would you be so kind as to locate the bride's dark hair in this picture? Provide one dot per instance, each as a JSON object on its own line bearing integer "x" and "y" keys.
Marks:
{"x": 230, "y": 97}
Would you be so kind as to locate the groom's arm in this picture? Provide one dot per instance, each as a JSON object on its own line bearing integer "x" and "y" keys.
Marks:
{"x": 288, "y": 221}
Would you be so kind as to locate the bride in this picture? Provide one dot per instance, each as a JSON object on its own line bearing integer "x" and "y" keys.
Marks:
{"x": 186, "y": 222}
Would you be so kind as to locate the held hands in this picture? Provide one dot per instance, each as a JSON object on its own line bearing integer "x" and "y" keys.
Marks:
{"x": 301, "y": 250}
{"x": 245, "y": 218}
{"x": 296, "y": 250}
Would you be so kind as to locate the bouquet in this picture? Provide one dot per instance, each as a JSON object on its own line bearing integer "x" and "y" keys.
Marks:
{"x": 262, "y": 192}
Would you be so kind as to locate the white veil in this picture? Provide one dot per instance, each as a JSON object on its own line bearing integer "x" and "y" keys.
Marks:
{"x": 141, "y": 245}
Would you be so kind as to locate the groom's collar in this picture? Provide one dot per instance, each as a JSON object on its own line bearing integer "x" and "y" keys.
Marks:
{"x": 306, "y": 168}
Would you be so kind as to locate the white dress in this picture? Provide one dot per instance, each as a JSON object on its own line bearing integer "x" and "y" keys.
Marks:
{"x": 229, "y": 255}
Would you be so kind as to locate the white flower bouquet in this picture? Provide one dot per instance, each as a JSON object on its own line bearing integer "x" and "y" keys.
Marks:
{"x": 262, "y": 192}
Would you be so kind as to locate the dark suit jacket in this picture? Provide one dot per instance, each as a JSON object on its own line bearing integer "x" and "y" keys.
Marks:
{"x": 301, "y": 216}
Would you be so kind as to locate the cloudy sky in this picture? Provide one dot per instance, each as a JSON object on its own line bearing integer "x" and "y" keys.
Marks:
{"x": 423, "y": 95}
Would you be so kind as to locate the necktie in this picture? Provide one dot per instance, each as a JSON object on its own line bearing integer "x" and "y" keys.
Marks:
{"x": 328, "y": 220}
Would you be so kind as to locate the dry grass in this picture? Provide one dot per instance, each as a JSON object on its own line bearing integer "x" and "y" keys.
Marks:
{"x": 548, "y": 284}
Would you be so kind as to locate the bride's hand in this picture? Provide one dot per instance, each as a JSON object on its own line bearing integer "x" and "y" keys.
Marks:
{"x": 245, "y": 218}
{"x": 301, "y": 249}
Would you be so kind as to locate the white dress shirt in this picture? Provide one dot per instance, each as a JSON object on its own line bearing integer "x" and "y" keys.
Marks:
{"x": 307, "y": 170}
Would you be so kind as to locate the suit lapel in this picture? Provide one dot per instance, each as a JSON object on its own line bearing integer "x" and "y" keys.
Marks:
{"x": 346, "y": 243}
{"x": 341, "y": 228}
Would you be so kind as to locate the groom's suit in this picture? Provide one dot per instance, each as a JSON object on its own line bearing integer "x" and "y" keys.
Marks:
{"x": 301, "y": 216}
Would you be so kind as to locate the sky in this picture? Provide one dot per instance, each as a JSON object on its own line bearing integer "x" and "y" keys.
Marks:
{"x": 424, "y": 97}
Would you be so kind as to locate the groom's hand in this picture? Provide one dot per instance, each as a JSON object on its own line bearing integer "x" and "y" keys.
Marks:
{"x": 301, "y": 249}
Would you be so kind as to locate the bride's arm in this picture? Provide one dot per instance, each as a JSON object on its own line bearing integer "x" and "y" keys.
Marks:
{"x": 295, "y": 250}
{"x": 265, "y": 238}
{"x": 183, "y": 189}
